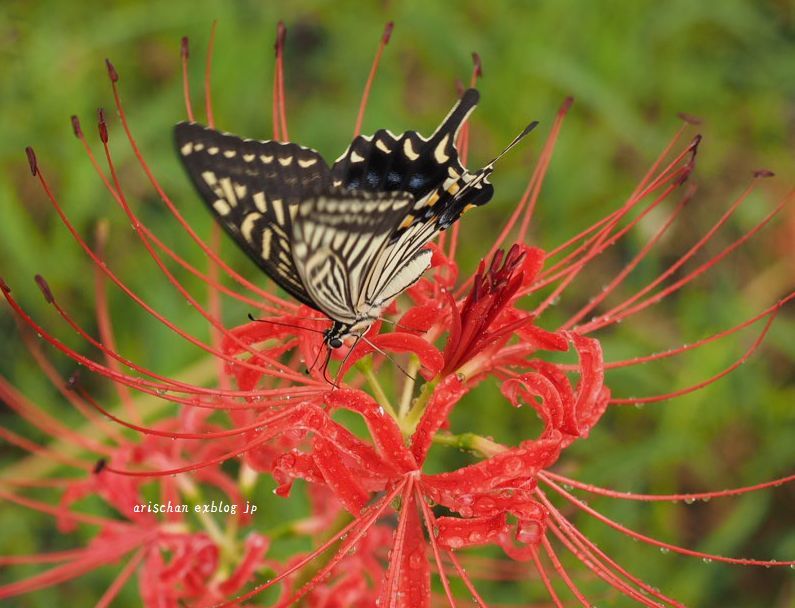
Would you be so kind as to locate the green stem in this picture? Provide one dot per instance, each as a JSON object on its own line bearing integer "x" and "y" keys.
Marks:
{"x": 470, "y": 442}
{"x": 366, "y": 367}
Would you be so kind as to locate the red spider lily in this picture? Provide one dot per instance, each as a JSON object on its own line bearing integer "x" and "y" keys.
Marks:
{"x": 382, "y": 528}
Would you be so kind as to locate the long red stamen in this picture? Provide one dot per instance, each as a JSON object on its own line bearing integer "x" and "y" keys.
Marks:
{"x": 549, "y": 550}
{"x": 159, "y": 243}
{"x": 699, "y": 343}
{"x": 141, "y": 384}
{"x": 657, "y": 543}
{"x": 694, "y": 387}
{"x": 40, "y": 419}
{"x": 632, "y": 264}
{"x": 105, "y": 325}
{"x": 208, "y": 94}
{"x": 66, "y": 389}
{"x": 282, "y": 369}
{"x": 349, "y": 535}
{"x": 688, "y": 498}
{"x": 180, "y": 219}
{"x": 598, "y": 246}
{"x": 545, "y": 579}
{"x": 184, "y": 55}
{"x": 674, "y": 173}
{"x": 279, "y": 112}
{"x": 463, "y": 147}
{"x": 430, "y": 526}
{"x": 126, "y": 573}
{"x": 625, "y": 309}
{"x": 371, "y": 77}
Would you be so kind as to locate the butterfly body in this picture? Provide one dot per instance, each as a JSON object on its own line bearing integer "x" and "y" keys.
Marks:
{"x": 344, "y": 239}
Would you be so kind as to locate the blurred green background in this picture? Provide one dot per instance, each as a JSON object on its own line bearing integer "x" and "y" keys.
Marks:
{"x": 631, "y": 66}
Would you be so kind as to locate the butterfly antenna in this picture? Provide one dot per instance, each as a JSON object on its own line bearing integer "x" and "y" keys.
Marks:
{"x": 398, "y": 365}
{"x": 345, "y": 360}
{"x": 489, "y": 167}
{"x": 326, "y": 377}
{"x": 515, "y": 141}
{"x": 398, "y": 325}
{"x": 294, "y": 326}
{"x": 319, "y": 350}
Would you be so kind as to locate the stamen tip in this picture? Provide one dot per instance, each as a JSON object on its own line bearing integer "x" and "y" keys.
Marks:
{"x": 112, "y": 73}
{"x": 388, "y": 32}
{"x": 34, "y": 165}
{"x": 566, "y": 105}
{"x": 4, "y": 286}
{"x": 100, "y": 466}
{"x": 101, "y": 233}
{"x": 45, "y": 288}
{"x": 763, "y": 173}
{"x": 281, "y": 36}
{"x": 689, "y": 118}
{"x": 76, "y": 127}
{"x": 478, "y": 65}
{"x": 459, "y": 87}
{"x": 102, "y": 125}
{"x": 184, "y": 50}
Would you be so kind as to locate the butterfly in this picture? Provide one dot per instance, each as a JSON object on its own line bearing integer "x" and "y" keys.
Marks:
{"x": 344, "y": 239}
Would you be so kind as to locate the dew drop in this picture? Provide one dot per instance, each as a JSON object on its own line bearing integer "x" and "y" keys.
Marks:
{"x": 454, "y": 542}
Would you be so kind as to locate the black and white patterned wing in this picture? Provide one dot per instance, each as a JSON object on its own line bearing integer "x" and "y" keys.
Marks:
{"x": 404, "y": 258}
{"x": 253, "y": 189}
{"x": 426, "y": 168}
{"x": 338, "y": 237}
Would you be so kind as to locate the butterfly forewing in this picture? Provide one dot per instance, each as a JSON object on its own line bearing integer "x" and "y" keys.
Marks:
{"x": 253, "y": 189}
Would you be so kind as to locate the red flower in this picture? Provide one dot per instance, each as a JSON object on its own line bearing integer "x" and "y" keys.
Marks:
{"x": 381, "y": 524}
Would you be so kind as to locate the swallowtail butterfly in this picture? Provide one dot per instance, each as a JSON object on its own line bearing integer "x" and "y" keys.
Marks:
{"x": 346, "y": 239}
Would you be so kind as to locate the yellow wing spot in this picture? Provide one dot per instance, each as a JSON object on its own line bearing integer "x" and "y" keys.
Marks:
{"x": 230, "y": 153}
{"x": 468, "y": 207}
{"x": 432, "y": 199}
{"x": 407, "y": 221}
{"x": 212, "y": 150}
{"x": 453, "y": 188}
{"x": 408, "y": 150}
{"x": 285, "y": 162}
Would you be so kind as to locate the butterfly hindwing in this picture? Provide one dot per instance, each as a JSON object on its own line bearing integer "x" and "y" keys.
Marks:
{"x": 427, "y": 168}
{"x": 253, "y": 188}
{"x": 338, "y": 239}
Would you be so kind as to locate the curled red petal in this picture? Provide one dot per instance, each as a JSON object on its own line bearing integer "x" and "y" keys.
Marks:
{"x": 383, "y": 428}
{"x": 400, "y": 342}
{"x": 445, "y": 396}
{"x": 339, "y": 476}
{"x": 456, "y": 533}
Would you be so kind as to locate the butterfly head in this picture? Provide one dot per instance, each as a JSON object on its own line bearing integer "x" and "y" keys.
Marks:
{"x": 334, "y": 336}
